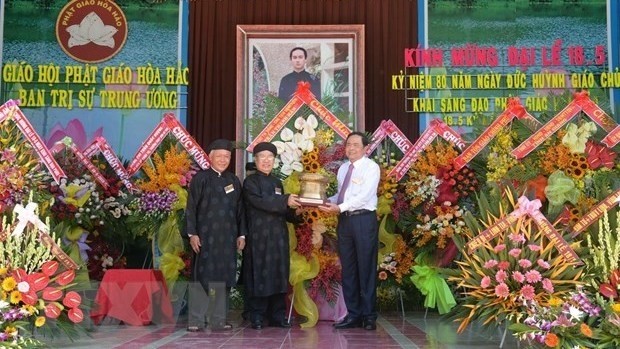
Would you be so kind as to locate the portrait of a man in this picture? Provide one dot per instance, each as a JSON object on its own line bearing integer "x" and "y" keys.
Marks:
{"x": 288, "y": 83}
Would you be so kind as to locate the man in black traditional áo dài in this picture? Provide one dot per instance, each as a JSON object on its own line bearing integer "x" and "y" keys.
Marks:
{"x": 266, "y": 259}
{"x": 215, "y": 226}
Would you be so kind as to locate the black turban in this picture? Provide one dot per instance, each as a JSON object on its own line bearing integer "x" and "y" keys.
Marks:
{"x": 265, "y": 146}
{"x": 220, "y": 144}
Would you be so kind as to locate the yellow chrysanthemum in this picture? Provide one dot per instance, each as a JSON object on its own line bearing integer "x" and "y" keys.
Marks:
{"x": 3, "y": 271}
{"x": 616, "y": 307}
{"x": 15, "y": 297}
{"x": 40, "y": 321}
{"x": 555, "y": 301}
{"x": 9, "y": 284}
{"x": 11, "y": 331}
{"x": 29, "y": 309}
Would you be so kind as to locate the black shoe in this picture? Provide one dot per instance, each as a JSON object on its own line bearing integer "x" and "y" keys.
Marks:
{"x": 370, "y": 325}
{"x": 348, "y": 323}
{"x": 257, "y": 324}
{"x": 282, "y": 324}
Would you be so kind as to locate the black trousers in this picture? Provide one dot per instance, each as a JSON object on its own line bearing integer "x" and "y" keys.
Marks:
{"x": 358, "y": 245}
{"x": 272, "y": 308}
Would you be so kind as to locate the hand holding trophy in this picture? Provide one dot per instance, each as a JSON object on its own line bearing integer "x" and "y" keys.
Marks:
{"x": 313, "y": 189}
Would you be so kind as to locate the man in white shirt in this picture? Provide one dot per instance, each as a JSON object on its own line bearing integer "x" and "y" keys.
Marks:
{"x": 358, "y": 230}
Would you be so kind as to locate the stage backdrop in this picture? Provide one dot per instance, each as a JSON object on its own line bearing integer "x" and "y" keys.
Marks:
{"x": 479, "y": 53}
{"x": 389, "y": 26}
{"x": 85, "y": 68}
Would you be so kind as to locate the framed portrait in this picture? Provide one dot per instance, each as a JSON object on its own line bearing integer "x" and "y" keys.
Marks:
{"x": 271, "y": 59}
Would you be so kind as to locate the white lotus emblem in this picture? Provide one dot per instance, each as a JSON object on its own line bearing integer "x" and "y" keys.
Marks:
{"x": 91, "y": 29}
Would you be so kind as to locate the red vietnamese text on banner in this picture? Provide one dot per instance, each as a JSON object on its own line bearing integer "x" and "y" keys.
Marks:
{"x": 302, "y": 96}
{"x": 9, "y": 110}
{"x": 551, "y": 127}
{"x": 514, "y": 108}
{"x": 436, "y": 128}
{"x": 303, "y": 88}
{"x": 449, "y": 134}
{"x": 595, "y": 113}
{"x": 100, "y": 145}
{"x": 612, "y": 138}
{"x": 525, "y": 207}
{"x": 390, "y": 130}
{"x": 59, "y": 146}
{"x": 426, "y": 138}
{"x": 596, "y": 212}
{"x": 377, "y": 137}
{"x": 581, "y": 102}
{"x": 278, "y": 122}
{"x": 169, "y": 124}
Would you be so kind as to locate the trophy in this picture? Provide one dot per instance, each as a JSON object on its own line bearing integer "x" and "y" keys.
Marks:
{"x": 313, "y": 188}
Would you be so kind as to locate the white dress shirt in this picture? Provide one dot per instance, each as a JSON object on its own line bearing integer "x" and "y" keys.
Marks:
{"x": 361, "y": 194}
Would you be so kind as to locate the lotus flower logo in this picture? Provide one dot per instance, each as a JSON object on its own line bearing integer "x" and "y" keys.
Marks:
{"x": 91, "y": 29}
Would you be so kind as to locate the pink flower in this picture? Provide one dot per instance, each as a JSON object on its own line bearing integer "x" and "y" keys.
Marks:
{"x": 8, "y": 155}
{"x": 543, "y": 264}
{"x": 533, "y": 276}
{"x": 527, "y": 291}
{"x": 515, "y": 252}
{"x": 485, "y": 282}
{"x": 534, "y": 248}
{"x": 499, "y": 248}
{"x": 517, "y": 238}
{"x": 525, "y": 263}
{"x": 503, "y": 265}
{"x": 490, "y": 264}
{"x": 502, "y": 290}
{"x": 75, "y": 130}
{"x": 501, "y": 276}
{"x": 518, "y": 277}
{"x": 547, "y": 285}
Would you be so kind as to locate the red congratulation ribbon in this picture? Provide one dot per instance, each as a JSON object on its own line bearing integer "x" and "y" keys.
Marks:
{"x": 596, "y": 212}
{"x": 10, "y": 109}
{"x": 532, "y": 209}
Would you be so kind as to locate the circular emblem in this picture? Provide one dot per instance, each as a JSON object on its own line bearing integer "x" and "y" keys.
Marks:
{"x": 91, "y": 31}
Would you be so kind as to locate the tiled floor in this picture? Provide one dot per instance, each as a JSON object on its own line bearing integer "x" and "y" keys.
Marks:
{"x": 393, "y": 331}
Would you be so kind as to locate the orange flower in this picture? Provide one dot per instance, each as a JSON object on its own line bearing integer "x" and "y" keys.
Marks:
{"x": 537, "y": 187}
{"x": 586, "y": 330}
{"x": 382, "y": 275}
{"x": 551, "y": 340}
